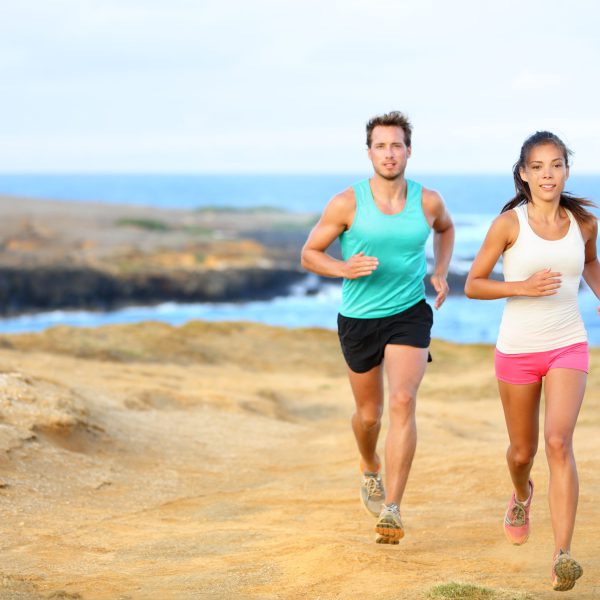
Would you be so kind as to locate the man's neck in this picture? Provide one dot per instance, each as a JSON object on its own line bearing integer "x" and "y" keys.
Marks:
{"x": 389, "y": 191}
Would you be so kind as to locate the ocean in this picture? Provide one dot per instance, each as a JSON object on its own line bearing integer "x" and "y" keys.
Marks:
{"x": 464, "y": 194}
{"x": 473, "y": 200}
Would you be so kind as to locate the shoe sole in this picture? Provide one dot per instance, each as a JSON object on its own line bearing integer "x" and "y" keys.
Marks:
{"x": 379, "y": 539}
{"x": 388, "y": 531}
{"x": 513, "y": 541}
{"x": 567, "y": 571}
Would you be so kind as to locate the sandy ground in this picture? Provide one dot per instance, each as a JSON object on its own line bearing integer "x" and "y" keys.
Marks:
{"x": 215, "y": 461}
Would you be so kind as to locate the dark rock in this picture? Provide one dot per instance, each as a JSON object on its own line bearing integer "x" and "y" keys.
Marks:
{"x": 60, "y": 287}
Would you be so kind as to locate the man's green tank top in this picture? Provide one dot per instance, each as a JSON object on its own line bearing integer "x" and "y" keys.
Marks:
{"x": 398, "y": 242}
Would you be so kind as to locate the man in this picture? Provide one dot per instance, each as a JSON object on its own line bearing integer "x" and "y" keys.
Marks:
{"x": 383, "y": 224}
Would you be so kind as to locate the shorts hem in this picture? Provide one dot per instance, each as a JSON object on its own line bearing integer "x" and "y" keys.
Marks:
{"x": 587, "y": 372}
{"x": 540, "y": 379}
{"x": 503, "y": 380}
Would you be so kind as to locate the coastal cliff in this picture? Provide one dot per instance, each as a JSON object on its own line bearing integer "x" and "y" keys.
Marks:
{"x": 84, "y": 255}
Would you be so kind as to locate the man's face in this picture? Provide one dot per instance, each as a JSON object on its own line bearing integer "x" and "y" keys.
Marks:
{"x": 388, "y": 152}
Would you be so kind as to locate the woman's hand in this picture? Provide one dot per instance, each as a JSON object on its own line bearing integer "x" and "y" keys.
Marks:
{"x": 542, "y": 283}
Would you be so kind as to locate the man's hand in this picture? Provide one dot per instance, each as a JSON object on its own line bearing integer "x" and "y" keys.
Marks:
{"x": 440, "y": 285}
{"x": 359, "y": 265}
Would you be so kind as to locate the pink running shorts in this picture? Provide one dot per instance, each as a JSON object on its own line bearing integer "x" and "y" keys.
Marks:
{"x": 530, "y": 367}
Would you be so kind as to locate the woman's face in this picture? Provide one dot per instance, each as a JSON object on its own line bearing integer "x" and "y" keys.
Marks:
{"x": 545, "y": 171}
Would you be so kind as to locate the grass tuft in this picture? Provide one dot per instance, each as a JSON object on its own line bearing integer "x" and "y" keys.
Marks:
{"x": 467, "y": 591}
{"x": 149, "y": 224}
{"x": 460, "y": 591}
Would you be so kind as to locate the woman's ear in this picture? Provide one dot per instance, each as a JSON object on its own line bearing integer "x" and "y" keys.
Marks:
{"x": 523, "y": 174}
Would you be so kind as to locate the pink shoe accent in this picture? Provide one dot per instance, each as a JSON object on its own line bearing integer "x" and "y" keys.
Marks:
{"x": 516, "y": 519}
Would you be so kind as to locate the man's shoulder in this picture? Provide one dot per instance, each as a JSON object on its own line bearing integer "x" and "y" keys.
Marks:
{"x": 432, "y": 196}
{"x": 432, "y": 201}
{"x": 344, "y": 200}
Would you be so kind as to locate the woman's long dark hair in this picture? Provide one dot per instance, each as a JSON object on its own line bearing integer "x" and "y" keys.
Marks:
{"x": 523, "y": 194}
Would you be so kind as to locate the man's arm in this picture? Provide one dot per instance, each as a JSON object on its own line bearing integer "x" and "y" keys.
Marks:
{"x": 443, "y": 242}
{"x": 336, "y": 218}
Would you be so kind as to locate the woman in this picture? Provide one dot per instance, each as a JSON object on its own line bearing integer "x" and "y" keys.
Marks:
{"x": 547, "y": 240}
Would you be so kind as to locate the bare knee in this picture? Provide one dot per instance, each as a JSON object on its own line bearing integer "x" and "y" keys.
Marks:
{"x": 402, "y": 402}
{"x": 558, "y": 446}
{"x": 368, "y": 419}
{"x": 522, "y": 455}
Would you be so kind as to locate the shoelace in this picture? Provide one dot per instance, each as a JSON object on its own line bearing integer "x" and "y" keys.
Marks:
{"x": 518, "y": 516}
{"x": 374, "y": 485}
{"x": 393, "y": 507}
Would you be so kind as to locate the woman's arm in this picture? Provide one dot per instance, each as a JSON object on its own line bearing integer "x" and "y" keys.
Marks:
{"x": 502, "y": 234}
{"x": 591, "y": 270}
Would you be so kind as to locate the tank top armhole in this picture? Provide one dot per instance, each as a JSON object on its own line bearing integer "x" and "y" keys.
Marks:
{"x": 520, "y": 228}
{"x": 521, "y": 216}
{"x": 414, "y": 198}
{"x": 359, "y": 195}
{"x": 575, "y": 225}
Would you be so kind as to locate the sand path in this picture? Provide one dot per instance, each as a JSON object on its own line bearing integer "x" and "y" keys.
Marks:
{"x": 216, "y": 462}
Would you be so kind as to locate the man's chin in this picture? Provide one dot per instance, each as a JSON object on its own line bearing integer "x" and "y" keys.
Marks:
{"x": 390, "y": 176}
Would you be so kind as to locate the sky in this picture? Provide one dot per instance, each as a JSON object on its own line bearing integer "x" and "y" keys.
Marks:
{"x": 275, "y": 86}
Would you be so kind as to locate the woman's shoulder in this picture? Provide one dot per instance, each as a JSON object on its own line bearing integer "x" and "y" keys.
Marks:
{"x": 505, "y": 229}
{"x": 589, "y": 229}
{"x": 507, "y": 220}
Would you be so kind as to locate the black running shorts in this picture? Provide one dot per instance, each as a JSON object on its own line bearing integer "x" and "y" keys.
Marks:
{"x": 363, "y": 341}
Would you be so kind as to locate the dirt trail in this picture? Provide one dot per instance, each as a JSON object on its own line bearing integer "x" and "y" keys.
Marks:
{"x": 216, "y": 462}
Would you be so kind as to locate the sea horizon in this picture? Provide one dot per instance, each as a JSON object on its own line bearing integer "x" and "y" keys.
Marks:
{"x": 474, "y": 193}
{"x": 473, "y": 200}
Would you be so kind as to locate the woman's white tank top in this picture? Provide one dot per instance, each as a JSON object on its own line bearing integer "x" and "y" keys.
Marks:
{"x": 537, "y": 324}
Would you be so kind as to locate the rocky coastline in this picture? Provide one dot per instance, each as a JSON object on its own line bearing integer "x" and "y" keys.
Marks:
{"x": 68, "y": 255}
{"x": 63, "y": 287}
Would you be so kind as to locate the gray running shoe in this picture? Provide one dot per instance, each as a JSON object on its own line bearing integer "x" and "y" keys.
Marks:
{"x": 372, "y": 493}
{"x": 565, "y": 572}
{"x": 389, "y": 526}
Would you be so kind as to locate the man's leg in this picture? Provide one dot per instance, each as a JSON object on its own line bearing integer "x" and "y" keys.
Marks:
{"x": 405, "y": 367}
{"x": 366, "y": 420}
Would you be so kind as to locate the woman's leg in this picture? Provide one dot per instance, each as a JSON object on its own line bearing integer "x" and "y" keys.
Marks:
{"x": 564, "y": 390}
{"x": 521, "y": 404}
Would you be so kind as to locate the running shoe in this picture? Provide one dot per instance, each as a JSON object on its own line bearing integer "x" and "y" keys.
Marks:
{"x": 389, "y": 526}
{"x": 372, "y": 493}
{"x": 565, "y": 572}
{"x": 516, "y": 519}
